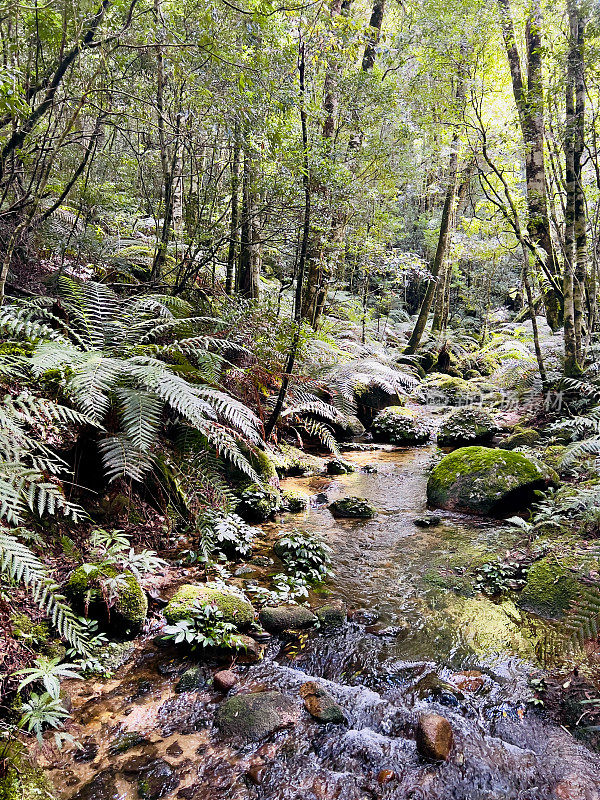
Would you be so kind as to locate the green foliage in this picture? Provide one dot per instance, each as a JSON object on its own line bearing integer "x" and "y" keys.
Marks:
{"x": 115, "y": 357}
{"x": 305, "y": 555}
{"x": 204, "y": 627}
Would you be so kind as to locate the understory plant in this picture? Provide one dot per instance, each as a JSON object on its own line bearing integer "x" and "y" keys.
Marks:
{"x": 204, "y": 628}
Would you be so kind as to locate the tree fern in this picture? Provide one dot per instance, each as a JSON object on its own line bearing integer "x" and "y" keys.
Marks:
{"x": 19, "y": 565}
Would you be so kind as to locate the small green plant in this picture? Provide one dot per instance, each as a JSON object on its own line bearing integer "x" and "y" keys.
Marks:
{"x": 227, "y": 535}
{"x": 43, "y": 711}
{"x": 305, "y": 554}
{"x": 285, "y": 589}
{"x": 205, "y": 628}
{"x": 48, "y": 672}
{"x": 498, "y": 577}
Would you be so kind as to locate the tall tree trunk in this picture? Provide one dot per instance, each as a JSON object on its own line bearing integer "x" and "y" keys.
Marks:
{"x": 440, "y": 252}
{"x": 319, "y": 257}
{"x": 530, "y": 105}
{"x": 291, "y": 359}
{"x": 577, "y": 27}
{"x": 375, "y": 24}
{"x": 249, "y": 263}
{"x": 570, "y": 341}
{"x": 235, "y": 216}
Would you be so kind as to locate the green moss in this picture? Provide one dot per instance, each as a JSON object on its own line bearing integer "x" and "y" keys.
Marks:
{"x": 131, "y": 604}
{"x": 294, "y": 501}
{"x": 27, "y": 630}
{"x": 233, "y": 607}
{"x": 466, "y": 425}
{"x": 291, "y": 460}
{"x": 399, "y": 425}
{"x": 483, "y": 480}
{"x": 353, "y": 507}
{"x": 255, "y": 716}
{"x": 550, "y": 589}
{"x": 25, "y": 782}
{"x": 447, "y": 389}
{"x": 520, "y": 437}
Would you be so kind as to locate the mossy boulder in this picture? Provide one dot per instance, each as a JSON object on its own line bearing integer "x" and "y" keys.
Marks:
{"x": 336, "y": 466}
{"x": 294, "y": 462}
{"x": 233, "y": 606}
{"x": 84, "y": 589}
{"x": 277, "y": 619}
{"x": 468, "y": 425}
{"x": 353, "y": 508}
{"x": 399, "y": 425}
{"x": 294, "y": 502}
{"x": 550, "y": 589}
{"x": 520, "y": 437}
{"x": 482, "y": 480}
{"x": 264, "y": 463}
{"x": 447, "y": 390}
{"x": 258, "y": 503}
{"x": 347, "y": 427}
{"x": 256, "y": 715}
{"x": 332, "y": 615}
{"x": 24, "y": 781}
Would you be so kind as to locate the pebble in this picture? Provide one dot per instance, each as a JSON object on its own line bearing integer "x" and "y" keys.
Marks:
{"x": 434, "y": 737}
{"x": 225, "y": 680}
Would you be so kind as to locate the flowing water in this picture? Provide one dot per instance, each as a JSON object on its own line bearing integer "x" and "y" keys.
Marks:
{"x": 436, "y": 646}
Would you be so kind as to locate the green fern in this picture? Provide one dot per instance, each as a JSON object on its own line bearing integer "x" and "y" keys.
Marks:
{"x": 20, "y": 566}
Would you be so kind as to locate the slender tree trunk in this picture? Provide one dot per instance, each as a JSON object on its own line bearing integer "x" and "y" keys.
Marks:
{"x": 571, "y": 366}
{"x": 291, "y": 360}
{"x": 375, "y": 24}
{"x": 235, "y": 216}
{"x": 577, "y": 26}
{"x": 440, "y": 253}
{"x": 530, "y": 105}
{"x": 249, "y": 263}
{"x": 534, "y": 326}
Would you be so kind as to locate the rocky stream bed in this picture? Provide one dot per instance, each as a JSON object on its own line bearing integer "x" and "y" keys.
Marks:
{"x": 334, "y": 712}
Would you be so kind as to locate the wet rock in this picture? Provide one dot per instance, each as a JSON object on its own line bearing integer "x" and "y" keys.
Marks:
{"x": 258, "y": 503}
{"x": 432, "y": 686}
{"x": 385, "y": 776}
{"x": 352, "y": 508}
{"x": 225, "y": 680}
{"x": 260, "y": 635}
{"x": 470, "y": 680}
{"x": 434, "y": 737}
{"x": 191, "y": 681}
{"x": 256, "y": 773}
{"x": 255, "y": 716}
{"x": 130, "y": 607}
{"x": 332, "y": 615}
{"x": 234, "y": 607}
{"x": 126, "y": 741}
{"x": 482, "y": 480}
{"x": 174, "y": 750}
{"x": 520, "y": 437}
{"x": 250, "y": 650}
{"x": 262, "y": 561}
{"x": 370, "y": 469}
{"x": 88, "y": 752}
{"x": 135, "y": 764}
{"x": 244, "y": 569}
{"x": 427, "y": 521}
{"x": 157, "y": 780}
{"x": 338, "y": 467}
{"x": 320, "y": 704}
{"x": 277, "y": 619}
{"x": 101, "y": 787}
{"x": 575, "y": 788}
{"x": 318, "y": 499}
{"x": 363, "y": 616}
{"x": 168, "y": 668}
{"x": 400, "y": 425}
{"x": 189, "y": 792}
{"x": 143, "y": 688}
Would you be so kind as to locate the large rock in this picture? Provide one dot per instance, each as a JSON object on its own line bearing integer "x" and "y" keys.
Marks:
{"x": 333, "y": 614}
{"x": 520, "y": 437}
{"x": 399, "y": 425}
{"x": 277, "y": 619}
{"x": 467, "y": 426}
{"x": 434, "y": 737}
{"x": 234, "y": 608}
{"x": 258, "y": 503}
{"x": 255, "y": 716}
{"x": 131, "y": 604}
{"x": 320, "y": 704}
{"x": 482, "y": 480}
{"x": 447, "y": 390}
{"x": 352, "y": 508}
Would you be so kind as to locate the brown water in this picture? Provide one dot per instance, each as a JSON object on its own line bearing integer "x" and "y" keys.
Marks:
{"x": 413, "y": 579}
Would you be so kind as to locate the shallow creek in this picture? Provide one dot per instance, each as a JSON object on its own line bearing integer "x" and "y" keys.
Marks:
{"x": 411, "y": 577}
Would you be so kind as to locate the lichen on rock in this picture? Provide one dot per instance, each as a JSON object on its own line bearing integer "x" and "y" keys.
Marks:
{"x": 470, "y": 425}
